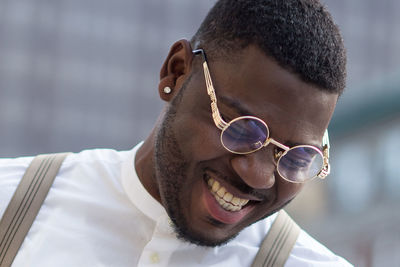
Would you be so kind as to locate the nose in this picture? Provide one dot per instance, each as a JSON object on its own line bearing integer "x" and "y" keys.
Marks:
{"x": 255, "y": 169}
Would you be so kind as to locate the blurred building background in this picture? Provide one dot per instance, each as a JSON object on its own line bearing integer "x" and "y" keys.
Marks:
{"x": 78, "y": 74}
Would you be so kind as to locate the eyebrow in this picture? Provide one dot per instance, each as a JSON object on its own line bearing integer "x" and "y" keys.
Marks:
{"x": 242, "y": 111}
{"x": 234, "y": 104}
{"x": 293, "y": 144}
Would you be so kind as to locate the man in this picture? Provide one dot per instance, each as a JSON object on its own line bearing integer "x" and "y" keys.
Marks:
{"x": 248, "y": 102}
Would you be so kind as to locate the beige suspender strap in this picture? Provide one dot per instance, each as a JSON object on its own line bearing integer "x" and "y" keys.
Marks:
{"x": 278, "y": 243}
{"x": 25, "y": 204}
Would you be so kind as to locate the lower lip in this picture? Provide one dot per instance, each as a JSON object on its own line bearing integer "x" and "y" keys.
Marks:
{"x": 220, "y": 214}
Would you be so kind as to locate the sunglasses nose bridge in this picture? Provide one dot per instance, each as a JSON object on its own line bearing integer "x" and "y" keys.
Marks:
{"x": 276, "y": 143}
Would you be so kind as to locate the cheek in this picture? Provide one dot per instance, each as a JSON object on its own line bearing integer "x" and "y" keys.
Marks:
{"x": 287, "y": 191}
{"x": 194, "y": 128}
{"x": 198, "y": 139}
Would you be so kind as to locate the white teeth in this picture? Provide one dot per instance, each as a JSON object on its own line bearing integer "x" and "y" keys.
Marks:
{"x": 243, "y": 202}
{"x": 228, "y": 196}
{"x": 225, "y": 198}
{"x": 235, "y": 201}
{"x": 221, "y": 191}
{"x": 215, "y": 186}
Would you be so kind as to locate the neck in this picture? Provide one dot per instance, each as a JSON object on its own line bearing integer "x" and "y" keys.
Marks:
{"x": 145, "y": 166}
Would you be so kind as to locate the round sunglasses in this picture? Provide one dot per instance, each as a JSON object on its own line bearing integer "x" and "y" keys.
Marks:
{"x": 247, "y": 134}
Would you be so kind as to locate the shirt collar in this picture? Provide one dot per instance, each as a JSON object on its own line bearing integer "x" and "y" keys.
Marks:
{"x": 136, "y": 192}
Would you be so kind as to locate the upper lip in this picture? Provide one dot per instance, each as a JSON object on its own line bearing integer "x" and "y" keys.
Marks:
{"x": 233, "y": 189}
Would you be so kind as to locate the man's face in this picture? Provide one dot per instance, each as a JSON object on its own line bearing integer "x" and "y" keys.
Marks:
{"x": 190, "y": 159}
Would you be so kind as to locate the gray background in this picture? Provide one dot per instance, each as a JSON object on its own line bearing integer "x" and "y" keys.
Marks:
{"x": 84, "y": 74}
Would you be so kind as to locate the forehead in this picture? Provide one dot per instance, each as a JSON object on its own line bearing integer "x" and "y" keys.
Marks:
{"x": 256, "y": 84}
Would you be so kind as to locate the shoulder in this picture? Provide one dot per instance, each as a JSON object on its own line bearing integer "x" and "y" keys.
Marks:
{"x": 306, "y": 252}
{"x": 77, "y": 168}
{"x": 95, "y": 159}
{"x": 12, "y": 169}
{"x": 11, "y": 172}
{"x": 309, "y": 252}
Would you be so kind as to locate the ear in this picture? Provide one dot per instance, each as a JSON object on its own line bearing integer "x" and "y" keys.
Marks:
{"x": 175, "y": 69}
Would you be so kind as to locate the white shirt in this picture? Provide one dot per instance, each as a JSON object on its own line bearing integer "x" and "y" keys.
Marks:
{"x": 97, "y": 213}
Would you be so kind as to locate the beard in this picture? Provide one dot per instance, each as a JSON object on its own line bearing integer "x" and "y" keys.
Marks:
{"x": 172, "y": 170}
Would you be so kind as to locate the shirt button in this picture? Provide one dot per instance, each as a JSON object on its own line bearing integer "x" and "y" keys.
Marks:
{"x": 154, "y": 258}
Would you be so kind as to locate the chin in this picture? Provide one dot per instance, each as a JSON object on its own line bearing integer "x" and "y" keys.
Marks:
{"x": 212, "y": 236}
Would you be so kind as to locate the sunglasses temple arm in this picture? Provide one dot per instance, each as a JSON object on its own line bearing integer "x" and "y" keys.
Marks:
{"x": 219, "y": 122}
{"x": 326, "y": 169}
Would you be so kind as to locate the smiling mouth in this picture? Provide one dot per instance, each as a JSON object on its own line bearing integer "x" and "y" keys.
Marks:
{"x": 225, "y": 199}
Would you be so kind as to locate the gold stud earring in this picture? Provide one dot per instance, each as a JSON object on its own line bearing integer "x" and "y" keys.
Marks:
{"x": 167, "y": 90}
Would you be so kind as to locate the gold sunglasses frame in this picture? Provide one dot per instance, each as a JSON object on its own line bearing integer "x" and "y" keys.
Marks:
{"x": 223, "y": 125}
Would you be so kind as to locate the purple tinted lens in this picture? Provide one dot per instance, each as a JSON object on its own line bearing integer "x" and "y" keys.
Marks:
{"x": 300, "y": 163}
{"x": 244, "y": 135}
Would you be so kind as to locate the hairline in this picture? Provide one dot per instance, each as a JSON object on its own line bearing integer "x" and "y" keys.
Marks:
{"x": 234, "y": 54}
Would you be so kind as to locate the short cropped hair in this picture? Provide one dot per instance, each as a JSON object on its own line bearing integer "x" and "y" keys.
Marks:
{"x": 299, "y": 34}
